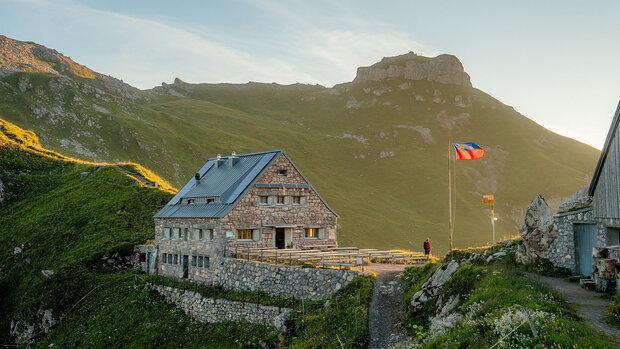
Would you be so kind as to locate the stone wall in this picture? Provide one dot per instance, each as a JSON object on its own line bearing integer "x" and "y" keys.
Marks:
{"x": 220, "y": 310}
{"x": 562, "y": 251}
{"x": 273, "y": 279}
{"x": 283, "y": 280}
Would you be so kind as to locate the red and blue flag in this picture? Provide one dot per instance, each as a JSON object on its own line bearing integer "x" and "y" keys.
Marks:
{"x": 468, "y": 151}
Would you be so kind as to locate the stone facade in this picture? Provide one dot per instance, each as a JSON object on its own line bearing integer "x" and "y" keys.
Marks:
{"x": 212, "y": 310}
{"x": 262, "y": 218}
{"x": 563, "y": 250}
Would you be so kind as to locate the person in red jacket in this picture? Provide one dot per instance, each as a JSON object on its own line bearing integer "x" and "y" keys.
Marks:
{"x": 427, "y": 248}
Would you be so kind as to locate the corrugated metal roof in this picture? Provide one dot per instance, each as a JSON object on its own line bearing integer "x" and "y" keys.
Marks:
{"x": 228, "y": 183}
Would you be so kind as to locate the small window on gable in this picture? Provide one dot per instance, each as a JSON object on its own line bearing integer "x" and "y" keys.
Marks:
{"x": 312, "y": 233}
{"x": 178, "y": 233}
{"x": 263, "y": 200}
{"x": 296, "y": 200}
{"x": 282, "y": 173}
{"x": 210, "y": 201}
{"x": 280, "y": 200}
{"x": 190, "y": 201}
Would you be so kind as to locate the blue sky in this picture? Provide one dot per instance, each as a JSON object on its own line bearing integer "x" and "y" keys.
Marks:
{"x": 554, "y": 61}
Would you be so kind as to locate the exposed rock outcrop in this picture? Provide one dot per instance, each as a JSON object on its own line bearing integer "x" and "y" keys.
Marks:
{"x": 432, "y": 286}
{"x": 538, "y": 231}
{"x": 20, "y": 56}
{"x": 446, "y": 69}
{"x": 578, "y": 200}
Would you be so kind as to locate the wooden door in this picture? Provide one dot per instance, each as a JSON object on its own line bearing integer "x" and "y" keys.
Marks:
{"x": 586, "y": 241}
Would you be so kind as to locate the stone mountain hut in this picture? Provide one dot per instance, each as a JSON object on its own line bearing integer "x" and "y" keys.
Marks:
{"x": 248, "y": 200}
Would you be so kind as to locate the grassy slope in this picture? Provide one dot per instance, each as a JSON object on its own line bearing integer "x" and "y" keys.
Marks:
{"x": 488, "y": 293}
{"x": 66, "y": 224}
{"x": 384, "y": 202}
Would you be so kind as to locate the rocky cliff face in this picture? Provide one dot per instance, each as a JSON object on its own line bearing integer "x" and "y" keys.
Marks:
{"x": 446, "y": 69}
{"x": 20, "y": 56}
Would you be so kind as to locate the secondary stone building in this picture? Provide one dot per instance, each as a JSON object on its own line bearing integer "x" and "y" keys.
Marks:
{"x": 249, "y": 200}
{"x": 584, "y": 236}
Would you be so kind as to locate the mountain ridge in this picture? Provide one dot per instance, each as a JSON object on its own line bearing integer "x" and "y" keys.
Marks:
{"x": 374, "y": 149}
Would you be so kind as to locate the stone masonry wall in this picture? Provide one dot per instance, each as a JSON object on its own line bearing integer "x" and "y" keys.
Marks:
{"x": 283, "y": 280}
{"x": 562, "y": 251}
{"x": 220, "y": 310}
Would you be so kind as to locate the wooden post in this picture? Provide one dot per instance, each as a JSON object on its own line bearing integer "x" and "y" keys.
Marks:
{"x": 261, "y": 255}
{"x": 532, "y": 327}
{"x": 303, "y": 306}
{"x": 243, "y": 298}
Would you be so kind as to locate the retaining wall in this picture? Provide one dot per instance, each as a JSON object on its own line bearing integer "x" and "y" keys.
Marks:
{"x": 220, "y": 310}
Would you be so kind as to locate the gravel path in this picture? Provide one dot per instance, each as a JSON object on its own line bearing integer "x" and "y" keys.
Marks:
{"x": 588, "y": 304}
{"x": 385, "y": 320}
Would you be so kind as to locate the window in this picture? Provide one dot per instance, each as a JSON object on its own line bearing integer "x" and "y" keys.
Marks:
{"x": 190, "y": 201}
{"x": 244, "y": 234}
{"x": 164, "y": 258}
{"x": 194, "y": 261}
{"x": 312, "y": 233}
{"x": 210, "y": 200}
{"x": 280, "y": 200}
{"x": 176, "y": 259}
{"x": 206, "y": 262}
{"x": 200, "y": 261}
{"x": 199, "y": 235}
{"x": 282, "y": 173}
{"x": 186, "y": 234}
{"x": 263, "y": 200}
{"x": 210, "y": 234}
{"x": 296, "y": 200}
{"x": 168, "y": 233}
{"x": 178, "y": 233}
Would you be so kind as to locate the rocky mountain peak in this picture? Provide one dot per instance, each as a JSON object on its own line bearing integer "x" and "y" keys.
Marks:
{"x": 445, "y": 69}
{"x": 20, "y": 56}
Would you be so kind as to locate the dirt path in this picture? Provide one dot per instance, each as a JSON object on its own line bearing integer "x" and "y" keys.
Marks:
{"x": 385, "y": 320}
{"x": 588, "y": 304}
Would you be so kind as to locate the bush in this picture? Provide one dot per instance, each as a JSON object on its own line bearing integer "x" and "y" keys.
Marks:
{"x": 544, "y": 267}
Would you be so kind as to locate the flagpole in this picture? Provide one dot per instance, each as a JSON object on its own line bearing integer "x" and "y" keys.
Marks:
{"x": 449, "y": 198}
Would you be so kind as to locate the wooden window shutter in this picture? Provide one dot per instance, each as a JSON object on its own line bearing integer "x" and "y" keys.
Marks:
{"x": 256, "y": 234}
{"x": 321, "y": 233}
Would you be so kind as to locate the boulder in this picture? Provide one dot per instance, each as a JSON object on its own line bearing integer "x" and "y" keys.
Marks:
{"x": 279, "y": 322}
{"x": 578, "y": 200}
{"x": 432, "y": 286}
{"x": 538, "y": 230}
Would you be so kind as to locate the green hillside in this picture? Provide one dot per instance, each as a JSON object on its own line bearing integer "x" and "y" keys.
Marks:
{"x": 375, "y": 150}
{"x": 65, "y": 243}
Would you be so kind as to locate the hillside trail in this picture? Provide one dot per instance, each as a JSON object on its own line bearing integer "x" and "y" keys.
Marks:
{"x": 385, "y": 319}
{"x": 588, "y": 304}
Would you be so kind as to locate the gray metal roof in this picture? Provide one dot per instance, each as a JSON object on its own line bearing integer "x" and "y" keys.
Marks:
{"x": 228, "y": 183}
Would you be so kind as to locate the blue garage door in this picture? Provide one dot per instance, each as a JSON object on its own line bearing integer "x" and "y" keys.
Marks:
{"x": 587, "y": 240}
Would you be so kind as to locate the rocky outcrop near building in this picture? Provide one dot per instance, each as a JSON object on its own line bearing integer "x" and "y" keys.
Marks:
{"x": 445, "y": 69}
{"x": 538, "y": 231}
{"x": 432, "y": 287}
{"x": 579, "y": 200}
